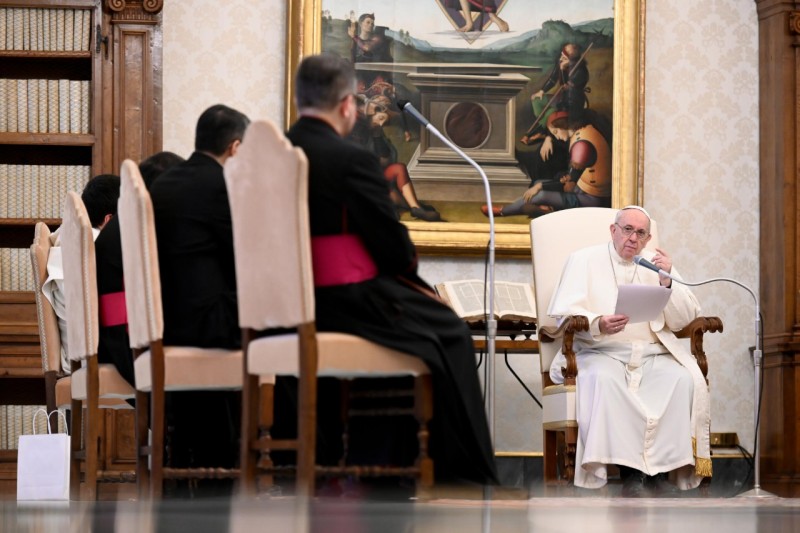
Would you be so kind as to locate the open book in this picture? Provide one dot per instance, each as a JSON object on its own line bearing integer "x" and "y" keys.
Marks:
{"x": 512, "y": 301}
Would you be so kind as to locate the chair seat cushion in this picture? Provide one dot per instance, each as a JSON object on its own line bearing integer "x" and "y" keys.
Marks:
{"x": 189, "y": 367}
{"x": 64, "y": 397}
{"x": 558, "y": 407}
{"x": 340, "y": 355}
{"x": 113, "y": 388}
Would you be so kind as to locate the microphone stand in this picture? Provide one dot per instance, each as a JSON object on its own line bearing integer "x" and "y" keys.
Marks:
{"x": 491, "y": 323}
{"x": 756, "y": 491}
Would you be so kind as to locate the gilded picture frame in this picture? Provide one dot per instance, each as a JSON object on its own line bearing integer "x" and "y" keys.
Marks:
{"x": 304, "y": 37}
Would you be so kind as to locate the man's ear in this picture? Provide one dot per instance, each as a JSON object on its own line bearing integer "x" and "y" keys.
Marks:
{"x": 106, "y": 218}
{"x": 234, "y": 147}
{"x": 345, "y": 109}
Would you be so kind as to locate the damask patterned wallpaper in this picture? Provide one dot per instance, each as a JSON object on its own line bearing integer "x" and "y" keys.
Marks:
{"x": 701, "y": 164}
{"x": 701, "y": 175}
{"x": 215, "y": 52}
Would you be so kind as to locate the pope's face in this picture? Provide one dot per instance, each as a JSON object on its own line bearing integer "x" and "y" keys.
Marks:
{"x": 634, "y": 222}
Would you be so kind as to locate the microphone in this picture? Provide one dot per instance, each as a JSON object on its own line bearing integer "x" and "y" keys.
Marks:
{"x": 491, "y": 323}
{"x": 406, "y": 106}
{"x": 639, "y": 260}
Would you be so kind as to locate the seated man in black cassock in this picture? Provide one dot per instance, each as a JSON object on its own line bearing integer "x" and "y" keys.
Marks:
{"x": 384, "y": 300}
{"x": 113, "y": 341}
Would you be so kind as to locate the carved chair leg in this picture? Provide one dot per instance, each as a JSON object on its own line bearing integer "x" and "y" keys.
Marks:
{"x": 92, "y": 424}
{"x": 266, "y": 417}
{"x": 248, "y": 454}
{"x": 92, "y": 450}
{"x": 550, "y": 457}
{"x": 344, "y": 416}
{"x": 423, "y": 412}
{"x": 570, "y": 449}
{"x": 157, "y": 446}
{"x": 76, "y": 423}
{"x": 142, "y": 444}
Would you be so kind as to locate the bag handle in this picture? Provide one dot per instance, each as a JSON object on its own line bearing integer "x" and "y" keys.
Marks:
{"x": 49, "y": 429}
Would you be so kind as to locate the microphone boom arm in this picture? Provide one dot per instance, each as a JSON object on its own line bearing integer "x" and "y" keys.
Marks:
{"x": 491, "y": 323}
{"x": 756, "y": 491}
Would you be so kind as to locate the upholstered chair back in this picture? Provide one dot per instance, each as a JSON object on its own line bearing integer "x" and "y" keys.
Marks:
{"x": 49, "y": 336}
{"x": 273, "y": 258}
{"x": 553, "y": 238}
{"x": 80, "y": 279}
{"x": 141, "y": 274}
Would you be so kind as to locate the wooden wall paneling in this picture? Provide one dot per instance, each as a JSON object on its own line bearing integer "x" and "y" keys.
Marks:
{"x": 99, "y": 48}
{"x": 120, "y": 452}
{"x": 136, "y": 74}
{"x": 779, "y": 165}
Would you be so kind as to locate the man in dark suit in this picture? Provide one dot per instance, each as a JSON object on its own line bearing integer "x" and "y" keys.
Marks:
{"x": 383, "y": 299}
{"x": 195, "y": 239}
{"x": 198, "y": 282}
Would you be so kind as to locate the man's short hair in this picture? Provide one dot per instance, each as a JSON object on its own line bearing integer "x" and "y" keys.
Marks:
{"x": 100, "y": 197}
{"x": 217, "y": 128}
{"x": 322, "y": 81}
{"x": 156, "y": 164}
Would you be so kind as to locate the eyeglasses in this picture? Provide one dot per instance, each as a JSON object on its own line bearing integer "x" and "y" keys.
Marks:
{"x": 627, "y": 231}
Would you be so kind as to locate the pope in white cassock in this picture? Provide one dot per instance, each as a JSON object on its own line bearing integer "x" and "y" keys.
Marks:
{"x": 642, "y": 402}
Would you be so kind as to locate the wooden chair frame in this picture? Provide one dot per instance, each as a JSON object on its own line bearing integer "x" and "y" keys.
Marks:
{"x": 103, "y": 384}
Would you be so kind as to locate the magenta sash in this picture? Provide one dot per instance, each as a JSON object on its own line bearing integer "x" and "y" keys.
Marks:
{"x": 340, "y": 259}
{"x": 112, "y": 309}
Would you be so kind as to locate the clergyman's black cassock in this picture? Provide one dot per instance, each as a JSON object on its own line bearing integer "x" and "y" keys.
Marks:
{"x": 347, "y": 193}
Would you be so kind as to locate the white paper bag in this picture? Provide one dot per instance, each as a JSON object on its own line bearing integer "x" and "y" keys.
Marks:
{"x": 43, "y": 464}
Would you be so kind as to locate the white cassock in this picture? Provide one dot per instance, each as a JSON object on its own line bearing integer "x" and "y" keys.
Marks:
{"x": 641, "y": 399}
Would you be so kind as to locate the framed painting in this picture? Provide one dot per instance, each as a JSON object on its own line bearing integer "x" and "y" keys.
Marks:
{"x": 547, "y": 97}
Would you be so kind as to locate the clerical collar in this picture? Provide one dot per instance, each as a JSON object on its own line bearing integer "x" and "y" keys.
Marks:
{"x": 615, "y": 258}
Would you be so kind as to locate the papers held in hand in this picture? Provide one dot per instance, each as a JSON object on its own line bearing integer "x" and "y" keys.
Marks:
{"x": 641, "y": 303}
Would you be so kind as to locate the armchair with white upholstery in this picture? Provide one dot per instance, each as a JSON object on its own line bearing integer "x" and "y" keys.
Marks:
{"x": 553, "y": 238}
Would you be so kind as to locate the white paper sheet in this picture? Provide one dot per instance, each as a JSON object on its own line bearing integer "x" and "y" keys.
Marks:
{"x": 641, "y": 303}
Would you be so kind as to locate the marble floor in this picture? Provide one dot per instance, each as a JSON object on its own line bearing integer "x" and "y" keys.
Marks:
{"x": 523, "y": 504}
{"x": 539, "y": 514}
